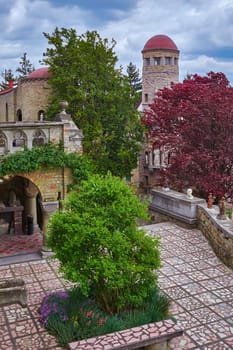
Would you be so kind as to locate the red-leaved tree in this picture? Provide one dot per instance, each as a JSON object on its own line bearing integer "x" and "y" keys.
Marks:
{"x": 194, "y": 119}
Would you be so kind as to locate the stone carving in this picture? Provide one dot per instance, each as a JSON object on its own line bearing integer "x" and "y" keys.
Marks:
{"x": 210, "y": 201}
{"x": 190, "y": 193}
{"x": 222, "y": 209}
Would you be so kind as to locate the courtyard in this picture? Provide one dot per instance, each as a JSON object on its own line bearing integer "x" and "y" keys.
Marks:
{"x": 199, "y": 285}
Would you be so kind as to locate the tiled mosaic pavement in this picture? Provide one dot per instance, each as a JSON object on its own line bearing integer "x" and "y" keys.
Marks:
{"x": 11, "y": 244}
{"x": 200, "y": 287}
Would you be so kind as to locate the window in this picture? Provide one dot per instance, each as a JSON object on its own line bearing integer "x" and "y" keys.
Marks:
{"x": 147, "y": 158}
{"x": 19, "y": 139}
{"x": 146, "y": 98}
{"x": 19, "y": 115}
{"x": 168, "y": 60}
{"x": 6, "y": 112}
{"x": 176, "y": 61}
{"x": 157, "y": 61}
{"x": 38, "y": 138}
{"x": 41, "y": 115}
{"x": 3, "y": 143}
{"x": 147, "y": 61}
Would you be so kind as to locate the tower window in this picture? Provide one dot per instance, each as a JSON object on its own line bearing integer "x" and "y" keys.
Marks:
{"x": 157, "y": 61}
{"x": 19, "y": 115}
{"x": 176, "y": 61}
{"x": 146, "y": 97}
{"x": 168, "y": 60}
{"x": 41, "y": 115}
{"x": 147, "y": 61}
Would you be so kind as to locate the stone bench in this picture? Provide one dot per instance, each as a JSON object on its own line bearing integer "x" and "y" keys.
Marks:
{"x": 152, "y": 336}
{"x": 13, "y": 292}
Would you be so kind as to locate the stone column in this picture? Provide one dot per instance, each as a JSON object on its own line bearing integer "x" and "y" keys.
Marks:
{"x": 31, "y": 192}
{"x": 48, "y": 208}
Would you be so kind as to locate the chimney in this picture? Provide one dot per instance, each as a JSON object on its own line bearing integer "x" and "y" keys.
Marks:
{"x": 10, "y": 84}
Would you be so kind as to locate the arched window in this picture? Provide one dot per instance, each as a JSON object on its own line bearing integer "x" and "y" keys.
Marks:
{"x": 41, "y": 115}
{"x": 19, "y": 139}
{"x": 38, "y": 138}
{"x": 3, "y": 143}
{"x": 19, "y": 117}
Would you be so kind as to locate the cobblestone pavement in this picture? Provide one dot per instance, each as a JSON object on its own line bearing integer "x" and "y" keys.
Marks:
{"x": 199, "y": 285}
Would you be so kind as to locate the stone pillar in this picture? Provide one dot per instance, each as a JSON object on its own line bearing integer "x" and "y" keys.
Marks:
{"x": 31, "y": 192}
{"x": 48, "y": 208}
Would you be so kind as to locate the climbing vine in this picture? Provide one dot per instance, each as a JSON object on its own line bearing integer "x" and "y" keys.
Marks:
{"x": 50, "y": 155}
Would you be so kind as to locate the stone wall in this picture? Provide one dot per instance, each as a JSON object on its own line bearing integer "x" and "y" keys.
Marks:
{"x": 50, "y": 182}
{"x": 219, "y": 233}
{"x": 7, "y": 107}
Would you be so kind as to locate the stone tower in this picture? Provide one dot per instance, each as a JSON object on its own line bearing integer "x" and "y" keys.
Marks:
{"x": 160, "y": 66}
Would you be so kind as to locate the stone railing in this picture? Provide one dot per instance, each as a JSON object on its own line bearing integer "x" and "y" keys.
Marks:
{"x": 218, "y": 232}
{"x": 152, "y": 336}
{"x": 168, "y": 205}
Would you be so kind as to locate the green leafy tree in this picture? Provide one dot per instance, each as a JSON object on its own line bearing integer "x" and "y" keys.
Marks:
{"x": 26, "y": 67}
{"x": 135, "y": 81}
{"x": 84, "y": 73}
{"x": 100, "y": 247}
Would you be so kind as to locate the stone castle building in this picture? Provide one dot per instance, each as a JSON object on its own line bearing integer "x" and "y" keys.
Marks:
{"x": 23, "y": 123}
{"x": 32, "y": 195}
{"x": 160, "y": 67}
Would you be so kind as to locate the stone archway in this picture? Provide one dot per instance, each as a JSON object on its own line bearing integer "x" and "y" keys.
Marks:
{"x": 19, "y": 199}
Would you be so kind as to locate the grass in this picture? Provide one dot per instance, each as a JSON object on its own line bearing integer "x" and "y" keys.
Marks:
{"x": 70, "y": 316}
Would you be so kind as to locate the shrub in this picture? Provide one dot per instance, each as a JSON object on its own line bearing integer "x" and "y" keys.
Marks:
{"x": 99, "y": 245}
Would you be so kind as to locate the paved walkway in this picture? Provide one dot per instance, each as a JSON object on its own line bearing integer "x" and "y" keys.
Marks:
{"x": 200, "y": 287}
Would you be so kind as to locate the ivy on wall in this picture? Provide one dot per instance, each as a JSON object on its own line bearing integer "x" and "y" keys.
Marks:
{"x": 50, "y": 155}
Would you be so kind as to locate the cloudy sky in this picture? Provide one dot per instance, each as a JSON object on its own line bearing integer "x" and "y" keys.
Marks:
{"x": 201, "y": 29}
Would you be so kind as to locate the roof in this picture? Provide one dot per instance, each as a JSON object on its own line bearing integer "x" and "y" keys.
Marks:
{"x": 8, "y": 89}
{"x": 160, "y": 42}
{"x": 3, "y": 92}
{"x": 40, "y": 73}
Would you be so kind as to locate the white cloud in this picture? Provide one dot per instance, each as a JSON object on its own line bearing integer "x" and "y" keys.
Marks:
{"x": 201, "y": 29}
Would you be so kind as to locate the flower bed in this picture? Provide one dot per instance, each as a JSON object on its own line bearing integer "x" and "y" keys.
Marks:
{"x": 70, "y": 316}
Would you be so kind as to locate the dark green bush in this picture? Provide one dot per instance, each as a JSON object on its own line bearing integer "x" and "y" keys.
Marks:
{"x": 99, "y": 245}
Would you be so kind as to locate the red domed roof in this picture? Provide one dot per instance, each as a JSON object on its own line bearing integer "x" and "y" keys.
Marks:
{"x": 160, "y": 42}
{"x": 40, "y": 73}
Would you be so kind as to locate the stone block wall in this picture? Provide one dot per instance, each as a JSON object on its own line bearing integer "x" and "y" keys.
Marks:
{"x": 7, "y": 107}
{"x": 219, "y": 233}
{"x": 50, "y": 182}
{"x": 32, "y": 96}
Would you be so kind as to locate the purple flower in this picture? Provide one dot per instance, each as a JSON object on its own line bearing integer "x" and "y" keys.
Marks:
{"x": 50, "y": 305}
